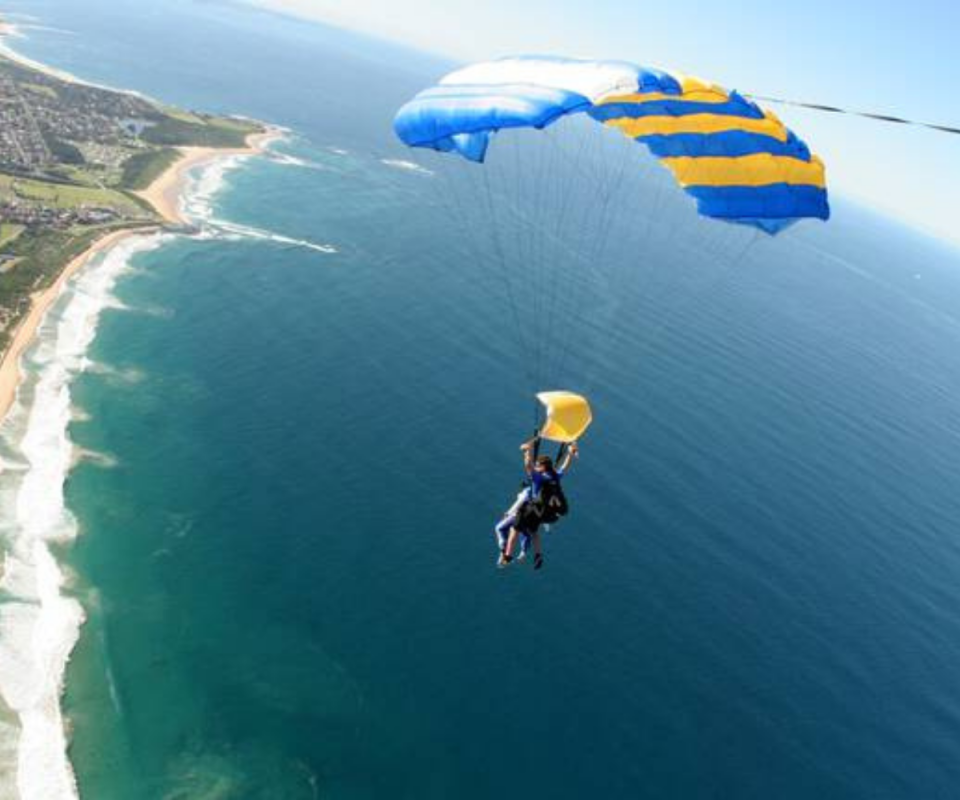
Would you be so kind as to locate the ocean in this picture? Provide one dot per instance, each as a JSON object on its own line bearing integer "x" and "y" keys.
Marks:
{"x": 265, "y": 463}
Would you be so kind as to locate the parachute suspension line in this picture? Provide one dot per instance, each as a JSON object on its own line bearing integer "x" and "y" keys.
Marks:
{"x": 554, "y": 245}
{"x": 474, "y": 242}
{"x": 562, "y": 263}
{"x": 850, "y": 112}
{"x": 518, "y": 218}
{"x": 595, "y": 248}
{"x": 572, "y": 252}
{"x": 505, "y": 274}
{"x": 543, "y": 183}
{"x": 608, "y": 219}
{"x": 723, "y": 234}
{"x": 640, "y": 205}
{"x": 565, "y": 255}
{"x": 550, "y": 181}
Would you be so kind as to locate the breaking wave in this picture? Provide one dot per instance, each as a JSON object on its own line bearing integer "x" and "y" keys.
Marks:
{"x": 206, "y": 183}
{"x": 39, "y": 623}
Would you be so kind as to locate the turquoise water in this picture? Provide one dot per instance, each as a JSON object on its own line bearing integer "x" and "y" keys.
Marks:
{"x": 284, "y": 552}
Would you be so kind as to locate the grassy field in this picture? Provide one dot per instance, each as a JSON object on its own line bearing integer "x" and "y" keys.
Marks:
{"x": 207, "y": 132}
{"x": 9, "y": 232}
{"x": 65, "y": 196}
{"x": 103, "y": 169}
{"x": 41, "y": 255}
{"x": 142, "y": 169}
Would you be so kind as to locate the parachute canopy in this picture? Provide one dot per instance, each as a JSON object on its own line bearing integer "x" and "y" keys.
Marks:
{"x": 568, "y": 416}
{"x": 737, "y": 160}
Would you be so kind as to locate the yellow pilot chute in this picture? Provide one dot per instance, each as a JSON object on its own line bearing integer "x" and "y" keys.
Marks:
{"x": 568, "y": 415}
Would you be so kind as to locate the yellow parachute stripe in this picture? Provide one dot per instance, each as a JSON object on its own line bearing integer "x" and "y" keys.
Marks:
{"x": 649, "y": 97}
{"x": 698, "y": 123}
{"x": 760, "y": 169}
{"x": 695, "y": 90}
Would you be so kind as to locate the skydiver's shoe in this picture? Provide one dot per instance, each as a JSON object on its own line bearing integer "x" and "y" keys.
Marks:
{"x": 504, "y": 560}
{"x": 538, "y": 560}
{"x": 521, "y": 555}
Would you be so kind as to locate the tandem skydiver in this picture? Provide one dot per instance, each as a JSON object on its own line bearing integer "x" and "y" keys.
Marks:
{"x": 542, "y": 501}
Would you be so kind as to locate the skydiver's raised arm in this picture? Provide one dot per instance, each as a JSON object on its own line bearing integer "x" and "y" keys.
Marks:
{"x": 527, "y": 449}
{"x": 572, "y": 453}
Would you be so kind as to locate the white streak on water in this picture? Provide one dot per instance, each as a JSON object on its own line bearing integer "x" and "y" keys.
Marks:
{"x": 288, "y": 160}
{"x": 17, "y": 32}
{"x": 206, "y": 183}
{"x": 39, "y": 625}
{"x": 409, "y": 166}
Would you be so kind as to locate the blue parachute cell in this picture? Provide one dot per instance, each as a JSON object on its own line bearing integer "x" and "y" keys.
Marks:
{"x": 737, "y": 160}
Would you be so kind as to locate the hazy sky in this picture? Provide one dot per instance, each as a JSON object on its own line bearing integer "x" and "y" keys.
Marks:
{"x": 894, "y": 57}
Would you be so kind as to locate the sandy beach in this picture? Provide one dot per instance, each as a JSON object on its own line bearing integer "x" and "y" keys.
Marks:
{"x": 165, "y": 192}
{"x": 10, "y": 373}
{"x": 164, "y": 195}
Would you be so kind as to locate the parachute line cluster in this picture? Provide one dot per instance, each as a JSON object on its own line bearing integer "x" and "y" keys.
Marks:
{"x": 739, "y": 162}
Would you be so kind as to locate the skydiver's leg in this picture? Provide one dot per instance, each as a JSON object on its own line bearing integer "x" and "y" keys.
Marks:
{"x": 505, "y": 557}
{"x": 502, "y": 530}
{"x": 524, "y": 546}
{"x": 537, "y": 550}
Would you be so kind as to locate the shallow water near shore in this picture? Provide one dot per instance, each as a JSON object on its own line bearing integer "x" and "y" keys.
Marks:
{"x": 284, "y": 556}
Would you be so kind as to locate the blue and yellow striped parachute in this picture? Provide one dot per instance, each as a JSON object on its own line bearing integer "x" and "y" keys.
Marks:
{"x": 737, "y": 160}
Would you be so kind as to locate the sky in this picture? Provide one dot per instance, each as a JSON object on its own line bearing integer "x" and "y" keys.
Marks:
{"x": 885, "y": 56}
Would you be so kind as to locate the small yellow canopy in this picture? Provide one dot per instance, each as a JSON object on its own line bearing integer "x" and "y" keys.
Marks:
{"x": 568, "y": 416}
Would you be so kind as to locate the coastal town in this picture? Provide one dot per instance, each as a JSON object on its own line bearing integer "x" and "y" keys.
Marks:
{"x": 75, "y": 161}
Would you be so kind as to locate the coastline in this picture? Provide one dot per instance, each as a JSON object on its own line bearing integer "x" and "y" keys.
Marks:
{"x": 40, "y": 619}
{"x": 165, "y": 195}
{"x": 10, "y": 368}
{"x": 40, "y": 623}
{"x": 167, "y": 191}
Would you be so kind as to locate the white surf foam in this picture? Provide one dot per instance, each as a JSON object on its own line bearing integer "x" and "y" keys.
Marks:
{"x": 409, "y": 166}
{"x": 17, "y": 31}
{"x": 229, "y": 230}
{"x": 39, "y": 625}
{"x": 20, "y": 16}
{"x": 205, "y": 184}
{"x": 287, "y": 160}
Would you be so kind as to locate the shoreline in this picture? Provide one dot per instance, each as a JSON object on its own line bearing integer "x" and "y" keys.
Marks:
{"x": 44, "y": 760}
{"x": 11, "y": 373}
{"x": 166, "y": 192}
{"x": 164, "y": 195}
{"x": 55, "y": 617}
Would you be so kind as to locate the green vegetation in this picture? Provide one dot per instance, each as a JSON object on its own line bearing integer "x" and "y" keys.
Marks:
{"x": 211, "y": 132}
{"x": 143, "y": 168}
{"x": 72, "y": 158}
{"x": 9, "y": 232}
{"x": 180, "y": 114}
{"x": 63, "y": 151}
{"x": 40, "y": 257}
{"x": 49, "y": 91}
{"x": 65, "y": 196}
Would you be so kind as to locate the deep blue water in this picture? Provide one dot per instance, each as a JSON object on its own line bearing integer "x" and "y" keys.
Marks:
{"x": 289, "y": 573}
